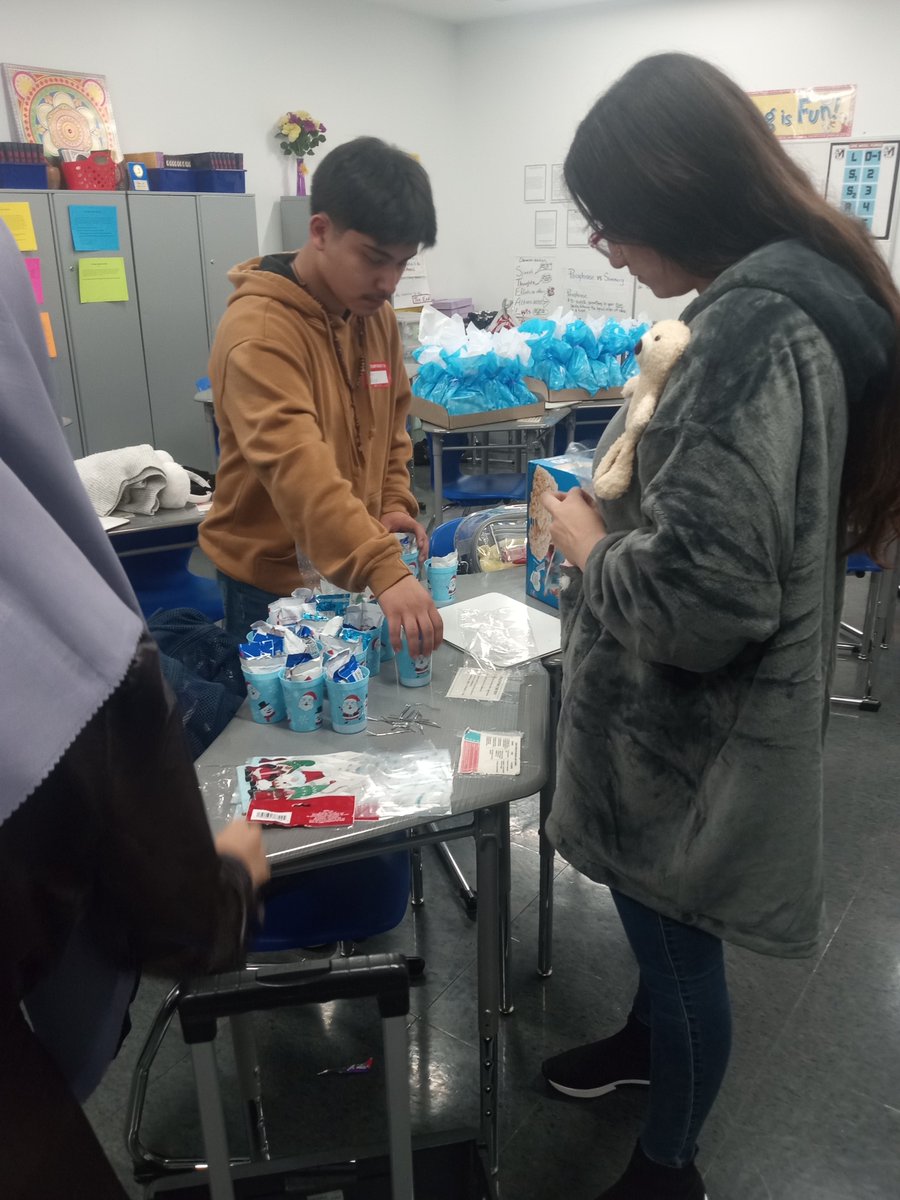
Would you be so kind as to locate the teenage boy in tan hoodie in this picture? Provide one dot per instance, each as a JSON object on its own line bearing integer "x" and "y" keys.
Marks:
{"x": 311, "y": 399}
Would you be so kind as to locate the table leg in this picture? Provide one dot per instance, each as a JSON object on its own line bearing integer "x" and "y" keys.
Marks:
{"x": 416, "y": 888}
{"x": 488, "y": 840}
{"x": 545, "y": 893}
{"x": 504, "y": 894}
{"x": 437, "y": 475}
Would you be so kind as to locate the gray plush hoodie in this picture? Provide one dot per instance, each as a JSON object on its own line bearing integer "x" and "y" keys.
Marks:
{"x": 699, "y": 642}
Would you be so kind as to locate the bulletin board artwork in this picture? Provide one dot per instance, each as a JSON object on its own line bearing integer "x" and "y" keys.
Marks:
{"x": 61, "y": 110}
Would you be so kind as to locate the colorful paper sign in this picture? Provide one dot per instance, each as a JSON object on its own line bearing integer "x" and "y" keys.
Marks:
{"x": 48, "y": 334}
{"x": 813, "y": 112}
{"x": 17, "y": 216}
{"x": 94, "y": 227}
{"x": 101, "y": 279}
{"x": 33, "y": 266}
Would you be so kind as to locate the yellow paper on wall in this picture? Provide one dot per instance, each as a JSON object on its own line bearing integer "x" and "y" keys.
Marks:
{"x": 17, "y": 216}
{"x": 101, "y": 279}
{"x": 48, "y": 334}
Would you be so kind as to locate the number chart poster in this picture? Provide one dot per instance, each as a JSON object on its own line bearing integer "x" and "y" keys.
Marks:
{"x": 862, "y": 181}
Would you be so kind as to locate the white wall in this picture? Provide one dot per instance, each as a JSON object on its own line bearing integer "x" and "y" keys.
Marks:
{"x": 190, "y": 75}
{"x": 532, "y": 80}
{"x": 477, "y": 104}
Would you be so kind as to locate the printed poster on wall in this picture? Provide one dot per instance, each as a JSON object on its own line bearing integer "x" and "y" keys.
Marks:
{"x": 412, "y": 289}
{"x": 862, "y": 181}
{"x": 810, "y": 112}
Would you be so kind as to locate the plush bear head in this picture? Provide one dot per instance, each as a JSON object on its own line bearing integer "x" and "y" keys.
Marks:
{"x": 658, "y": 351}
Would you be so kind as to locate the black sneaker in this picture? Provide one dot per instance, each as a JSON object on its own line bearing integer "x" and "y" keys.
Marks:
{"x": 600, "y": 1067}
{"x": 646, "y": 1180}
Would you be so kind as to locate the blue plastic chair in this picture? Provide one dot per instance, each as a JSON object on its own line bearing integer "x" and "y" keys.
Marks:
{"x": 344, "y": 903}
{"x": 473, "y": 491}
{"x": 160, "y": 576}
{"x": 442, "y": 538}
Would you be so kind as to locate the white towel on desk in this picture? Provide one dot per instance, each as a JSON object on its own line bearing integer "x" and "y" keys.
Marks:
{"x": 134, "y": 479}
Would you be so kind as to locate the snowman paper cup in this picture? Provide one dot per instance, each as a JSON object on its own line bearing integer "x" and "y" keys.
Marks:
{"x": 304, "y": 700}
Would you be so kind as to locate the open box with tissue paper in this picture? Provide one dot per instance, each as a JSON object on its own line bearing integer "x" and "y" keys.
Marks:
{"x": 436, "y": 414}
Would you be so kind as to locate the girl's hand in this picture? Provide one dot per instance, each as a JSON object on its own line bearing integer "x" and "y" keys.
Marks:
{"x": 576, "y": 526}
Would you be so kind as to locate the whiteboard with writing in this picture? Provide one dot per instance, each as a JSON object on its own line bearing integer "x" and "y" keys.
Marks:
{"x": 536, "y": 287}
{"x": 594, "y": 288}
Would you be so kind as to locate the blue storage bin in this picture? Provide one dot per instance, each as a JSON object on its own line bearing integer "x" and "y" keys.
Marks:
{"x": 172, "y": 179}
{"x": 221, "y": 181}
{"x": 23, "y": 175}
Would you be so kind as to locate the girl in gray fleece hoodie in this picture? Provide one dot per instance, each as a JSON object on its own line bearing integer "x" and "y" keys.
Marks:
{"x": 701, "y": 609}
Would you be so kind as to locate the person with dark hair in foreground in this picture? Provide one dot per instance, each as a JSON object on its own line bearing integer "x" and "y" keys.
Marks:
{"x": 107, "y": 865}
{"x": 311, "y": 398}
{"x": 701, "y": 610}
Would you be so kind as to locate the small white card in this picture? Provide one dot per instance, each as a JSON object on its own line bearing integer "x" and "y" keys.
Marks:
{"x": 470, "y": 683}
{"x": 490, "y": 753}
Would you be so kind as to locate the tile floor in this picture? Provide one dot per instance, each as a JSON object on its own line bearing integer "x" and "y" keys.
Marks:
{"x": 811, "y": 1106}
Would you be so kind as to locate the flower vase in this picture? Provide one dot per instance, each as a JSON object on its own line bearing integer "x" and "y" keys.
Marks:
{"x": 301, "y": 177}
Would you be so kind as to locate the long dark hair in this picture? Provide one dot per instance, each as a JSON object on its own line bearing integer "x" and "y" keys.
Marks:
{"x": 676, "y": 157}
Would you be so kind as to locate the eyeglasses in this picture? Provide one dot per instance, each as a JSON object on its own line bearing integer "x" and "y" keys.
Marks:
{"x": 600, "y": 242}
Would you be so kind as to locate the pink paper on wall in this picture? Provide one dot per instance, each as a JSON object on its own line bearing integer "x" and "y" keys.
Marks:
{"x": 34, "y": 270}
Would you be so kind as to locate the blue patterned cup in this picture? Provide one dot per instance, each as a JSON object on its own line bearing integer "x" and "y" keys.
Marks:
{"x": 264, "y": 696}
{"x": 349, "y": 703}
{"x": 304, "y": 700}
{"x": 441, "y": 582}
{"x": 413, "y": 670}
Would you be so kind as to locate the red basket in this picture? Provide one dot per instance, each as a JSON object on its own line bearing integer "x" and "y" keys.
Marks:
{"x": 94, "y": 174}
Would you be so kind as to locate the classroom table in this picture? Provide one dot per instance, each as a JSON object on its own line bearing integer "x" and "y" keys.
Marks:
{"x": 536, "y": 430}
{"x": 511, "y": 582}
{"x": 525, "y": 708}
{"x": 145, "y": 527}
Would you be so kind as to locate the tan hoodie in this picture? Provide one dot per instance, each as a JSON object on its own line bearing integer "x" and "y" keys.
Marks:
{"x": 303, "y": 464}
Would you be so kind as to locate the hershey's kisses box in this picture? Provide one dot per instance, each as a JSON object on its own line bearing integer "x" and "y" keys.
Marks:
{"x": 560, "y": 474}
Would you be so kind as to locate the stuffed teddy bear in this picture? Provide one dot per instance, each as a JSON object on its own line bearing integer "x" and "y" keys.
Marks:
{"x": 657, "y": 353}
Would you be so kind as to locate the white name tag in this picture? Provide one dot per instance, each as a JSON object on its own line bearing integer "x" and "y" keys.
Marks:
{"x": 379, "y": 375}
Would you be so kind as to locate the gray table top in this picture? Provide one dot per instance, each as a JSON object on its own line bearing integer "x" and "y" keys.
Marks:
{"x": 524, "y": 708}
{"x": 165, "y": 518}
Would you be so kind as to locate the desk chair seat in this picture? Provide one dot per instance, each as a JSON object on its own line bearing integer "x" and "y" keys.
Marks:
{"x": 345, "y": 903}
{"x": 474, "y": 491}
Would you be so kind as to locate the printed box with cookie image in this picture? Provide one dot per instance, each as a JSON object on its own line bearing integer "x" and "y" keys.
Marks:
{"x": 543, "y": 563}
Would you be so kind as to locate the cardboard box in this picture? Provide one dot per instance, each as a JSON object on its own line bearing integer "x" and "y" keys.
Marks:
{"x": 543, "y": 562}
{"x": 436, "y": 414}
{"x": 569, "y": 397}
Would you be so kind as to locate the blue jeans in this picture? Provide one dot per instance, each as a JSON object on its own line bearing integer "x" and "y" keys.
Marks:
{"x": 243, "y": 604}
{"x": 683, "y": 997}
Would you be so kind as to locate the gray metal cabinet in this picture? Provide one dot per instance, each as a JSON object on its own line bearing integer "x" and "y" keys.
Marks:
{"x": 228, "y": 235}
{"x": 171, "y": 293}
{"x": 104, "y": 339}
{"x": 61, "y": 366}
{"x": 295, "y": 214}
